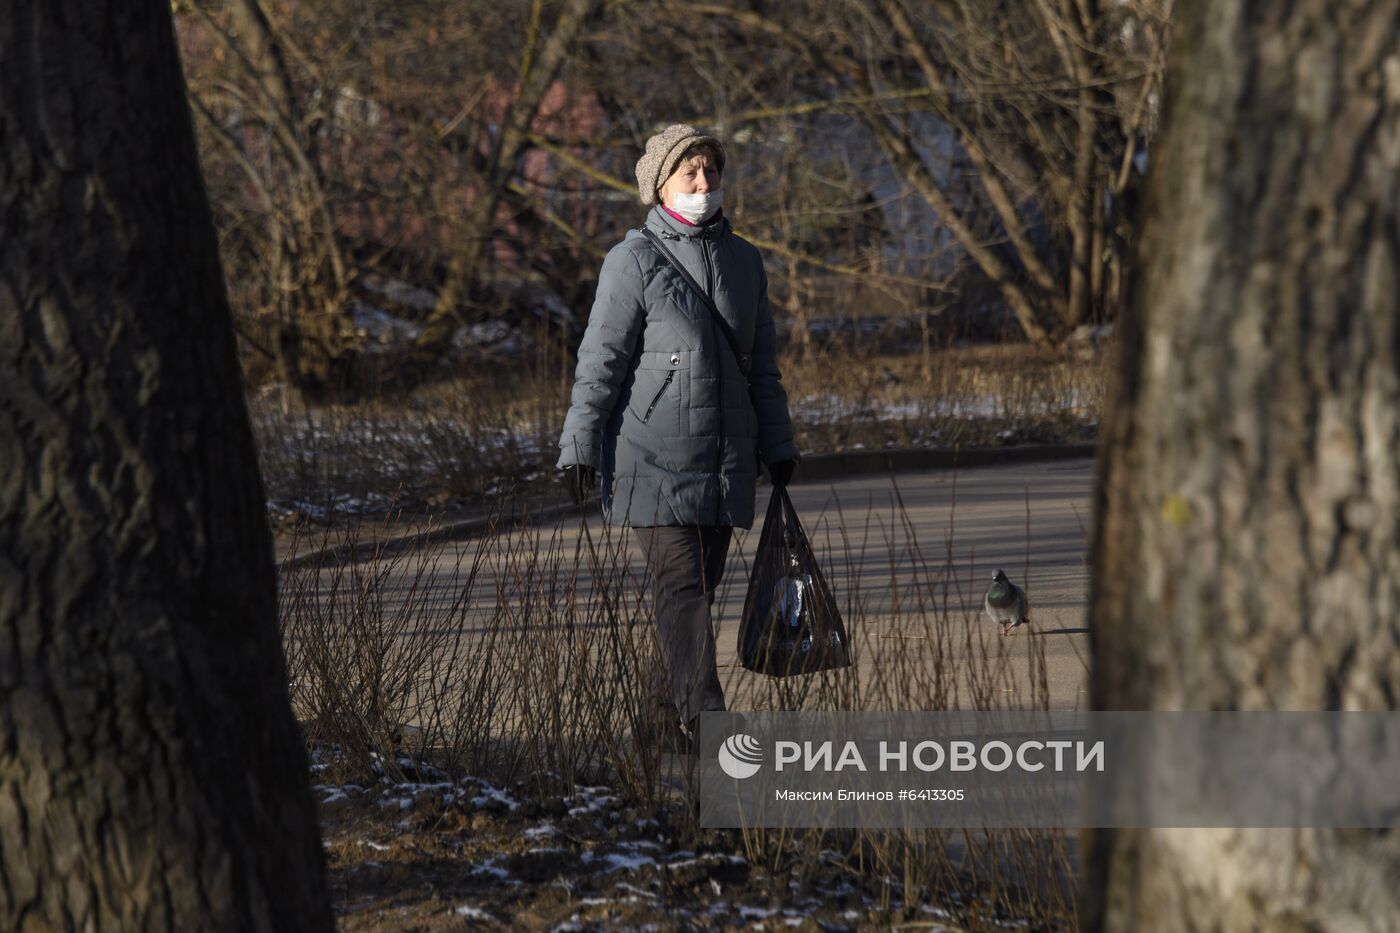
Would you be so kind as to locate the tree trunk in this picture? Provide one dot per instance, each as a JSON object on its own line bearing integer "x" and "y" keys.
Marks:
{"x": 1245, "y": 554}
{"x": 151, "y": 774}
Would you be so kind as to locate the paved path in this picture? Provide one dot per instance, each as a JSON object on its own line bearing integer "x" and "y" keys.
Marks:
{"x": 919, "y": 549}
{"x": 909, "y": 558}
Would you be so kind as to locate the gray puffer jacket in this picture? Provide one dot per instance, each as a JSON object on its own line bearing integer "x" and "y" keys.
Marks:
{"x": 660, "y": 406}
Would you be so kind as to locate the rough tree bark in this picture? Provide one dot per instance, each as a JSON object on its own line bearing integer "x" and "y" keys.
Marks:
{"x": 1246, "y": 551}
{"x": 151, "y": 774}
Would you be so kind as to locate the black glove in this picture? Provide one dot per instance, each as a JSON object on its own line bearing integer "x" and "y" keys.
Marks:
{"x": 781, "y": 472}
{"x": 581, "y": 480}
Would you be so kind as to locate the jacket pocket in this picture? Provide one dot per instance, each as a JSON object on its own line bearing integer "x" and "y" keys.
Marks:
{"x": 656, "y": 399}
{"x": 661, "y": 392}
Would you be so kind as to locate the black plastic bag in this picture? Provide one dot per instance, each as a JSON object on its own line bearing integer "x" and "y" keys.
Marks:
{"x": 791, "y": 624}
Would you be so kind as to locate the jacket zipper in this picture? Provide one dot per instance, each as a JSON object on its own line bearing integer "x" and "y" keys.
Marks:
{"x": 719, "y": 374}
{"x": 665, "y": 384}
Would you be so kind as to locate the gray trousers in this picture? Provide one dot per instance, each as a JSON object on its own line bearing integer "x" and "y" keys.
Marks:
{"x": 686, "y": 562}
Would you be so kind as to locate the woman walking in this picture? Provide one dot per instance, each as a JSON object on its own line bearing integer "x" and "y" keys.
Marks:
{"x": 677, "y": 398}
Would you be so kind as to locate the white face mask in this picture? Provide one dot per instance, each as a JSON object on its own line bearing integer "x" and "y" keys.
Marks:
{"x": 698, "y": 208}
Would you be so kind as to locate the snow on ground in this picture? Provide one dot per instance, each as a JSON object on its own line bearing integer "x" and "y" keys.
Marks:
{"x": 493, "y": 868}
{"x": 542, "y": 831}
{"x": 474, "y": 913}
{"x": 399, "y": 292}
{"x": 825, "y": 407}
{"x": 382, "y": 329}
{"x": 592, "y": 800}
{"x": 490, "y": 794}
{"x": 619, "y": 861}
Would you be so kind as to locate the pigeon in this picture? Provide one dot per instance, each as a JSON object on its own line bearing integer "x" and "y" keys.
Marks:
{"x": 1006, "y": 604}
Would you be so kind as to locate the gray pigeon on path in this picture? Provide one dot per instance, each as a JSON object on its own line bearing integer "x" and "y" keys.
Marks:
{"x": 1006, "y": 604}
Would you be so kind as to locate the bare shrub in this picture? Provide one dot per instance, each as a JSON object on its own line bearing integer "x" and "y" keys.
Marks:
{"x": 473, "y": 439}
{"x": 521, "y": 654}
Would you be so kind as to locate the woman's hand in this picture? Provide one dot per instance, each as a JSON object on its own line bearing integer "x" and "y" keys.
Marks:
{"x": 781, "y": 472}
{"x": 581, "y": 480}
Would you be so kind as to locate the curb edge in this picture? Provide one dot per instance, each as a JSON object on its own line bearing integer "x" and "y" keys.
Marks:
{"x": 810, "y": 469}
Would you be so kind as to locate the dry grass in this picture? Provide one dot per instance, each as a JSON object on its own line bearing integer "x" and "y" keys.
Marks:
{"x": 465, "y": 442}
{"x": 516, "y": 659}
{"x": 972, "y": 396}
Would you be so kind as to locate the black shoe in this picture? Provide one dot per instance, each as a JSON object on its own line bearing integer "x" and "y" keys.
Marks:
{"x": 680, "y": 738}
{"x": 737, "y": 723}
{"x": 666, "y": 736}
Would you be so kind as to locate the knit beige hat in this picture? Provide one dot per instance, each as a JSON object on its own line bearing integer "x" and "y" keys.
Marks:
{"x": 664, "y": 151}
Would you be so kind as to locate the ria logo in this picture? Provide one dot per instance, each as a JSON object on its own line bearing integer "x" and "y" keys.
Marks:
{"x": 740, "y": 756}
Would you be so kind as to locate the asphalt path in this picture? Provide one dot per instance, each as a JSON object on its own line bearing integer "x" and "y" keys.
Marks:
{"x": 909, "y": 557}
{"x": 915, "y": 553}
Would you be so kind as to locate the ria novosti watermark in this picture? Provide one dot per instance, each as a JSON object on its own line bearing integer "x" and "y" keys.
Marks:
{"x": 1043, "y": 769}
{"x": 741, "y": 755}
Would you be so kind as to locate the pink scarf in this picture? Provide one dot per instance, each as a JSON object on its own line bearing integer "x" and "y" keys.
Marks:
{"x": 677, "y": 216}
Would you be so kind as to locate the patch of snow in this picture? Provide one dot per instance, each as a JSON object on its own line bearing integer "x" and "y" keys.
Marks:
{"x": 641, "y": 844}
{"x": 619, "y": 861}
{"x": 593, "y": 800}
{"x": 678, "y": 860}
{"x": 484, "y": 333}
{"x": 756, "y": 913}
{"x": 490, "y": 793}
{"x": 1085, "y": 333}
{"x": 413, "y": 790}
{"x": 330, "y": 793}
{"x": 381, "y": 327}
{"x": 585, "y": 809}
{"x": 400, "y": 292}
{"x": 490, "y": 867}
{"x": 474, "y": 913}
{"x": 542, "y": 831}
{"x": 823, "y": 407}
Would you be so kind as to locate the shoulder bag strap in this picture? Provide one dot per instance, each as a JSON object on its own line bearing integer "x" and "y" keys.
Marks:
{"x": 729, "y": 336}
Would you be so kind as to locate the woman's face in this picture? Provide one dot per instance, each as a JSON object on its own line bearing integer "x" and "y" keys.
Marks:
{"x": 693, "y": 176}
